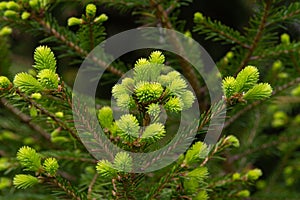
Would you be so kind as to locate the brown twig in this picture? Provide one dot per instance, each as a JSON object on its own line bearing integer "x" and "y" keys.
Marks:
{"x": 90, "y": 189}
{"x": 25, "y": 118}
{"x": 261, "y": 147}
{"x": 188, "y": 70}
{"x": 88, "y": 160}
{"x": 257, "y": 37}
{"x": 273, "y": 54}
{"x": 228, "y": 36}
{"x": 75, "y": 47}
{"x": 68, "y": 191}
{"x": 49, "y": 114}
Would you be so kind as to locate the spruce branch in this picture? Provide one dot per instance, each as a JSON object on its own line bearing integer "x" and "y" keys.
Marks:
{"x": 218, "y": 31}
{"x": 75, "y": 159}
{"x": 25, "y": 118}
{"x": 211, "y": 155}
{"x": 280, "y": 167}
{"x": 285, "y": 14}
{"x": 91, "y": 185}
{"x": 124, "y": 5}
{"x": 52, "y": 31}
{"x": 277, "y": 51}
{"x": 92, "y": 137}
{"x": 188, "y": 70}
{"x": 273, "y": 143}
{"x": 154, "y": 192}
{"x": 257, "y": 37}
{"x": 64, "y": 185}
{"x": 256, "y": 103}
{"x": 225, "y": 142}
{"x": 49, "y": 114}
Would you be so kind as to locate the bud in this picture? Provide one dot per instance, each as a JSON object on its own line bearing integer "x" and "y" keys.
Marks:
{"x": 101, "y": 18}
{"x": 33, "y": 111}
{"x": 296, "y": 91}
{"x": 288, "y": 170}
{"x": 297, "y": 119}
{"x": 51, "y": 166}
{"x": 3, "y": 5}
{"x": 24, "y": 181}
{"x": 10, "y": 14}
{"x": 233, "y": 141}
{"x": 11, "y": 5}
{"x": 36, "y": 96}
{"x": 59, "y": 114}
{"x": 174, "y": 104}
{"x": 280, "y": 115}
{"x": 34, "y": 4}
{"x": 59, "y": 139}
{"x": 32, "y": 72}
{"x": 28, "y": 141}
{"x": 5, "y": 31}
{"x": 276, "y": 123}
{"x": 290, "y": 181}
{"x": 198, "y": 17}
{"x": 236, "y": 176}
{"x": 56, "y": 132}
{"x": 188, "y": 34}
{"x": 229, "y": 55}
{"x": 105, "y": 117}
{"x": 254, "y": 174}
{"x": 261, "y": 184}
{"x": 157, "y": 57}
{"x": 285, "y": 38}
{"x": 73, "y": 21}
{"x": 283, "y": 75}
{"x": 243, "y": 193}
{"x": 90, "y": 10}
{"x": 5, "y": 83}
{"x": 4, "y": 164}
{"x": 25, "y": 15}
{"x": 277, "y": 65}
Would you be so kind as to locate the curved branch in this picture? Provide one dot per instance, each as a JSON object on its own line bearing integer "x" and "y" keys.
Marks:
{"x": 49, "y": 114}
{"x": 257, "y": 37}
{"x": 75, "y": 47}
{"x": 254, "y": 104}
{"x": 188, "y": 70}
{"x": 25, "y": 118}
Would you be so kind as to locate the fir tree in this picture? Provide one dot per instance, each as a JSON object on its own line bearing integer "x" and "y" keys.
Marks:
{"x": 260, "y": 81}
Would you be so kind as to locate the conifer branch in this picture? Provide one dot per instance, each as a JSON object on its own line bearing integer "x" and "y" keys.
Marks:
{"x": 78, "y": 49}
{"x": 277, "y": 51}
{"x": 218, "y": 31}
{"x": 162, "y": 182}
{"x": 90, "y": 189}
{"x": 25, "y": 118}
{"x": 280, "y": 167}
{"x": 256, "y": 103}
{"x": 264, "y": 146}
{"x": 286, "y": 13}
{"x": 188, "y": 70}
{"x": 65, "y": 186}
{"x": 49, "y": 114}
{"x": 291, "y": 15}
{"x": 210, "y": 156}
{"x": 88, "y": 160}
{"x": 257, "y": 37}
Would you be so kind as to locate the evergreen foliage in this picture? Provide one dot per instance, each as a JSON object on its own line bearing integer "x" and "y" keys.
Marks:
{"x": 40, "y": 145}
